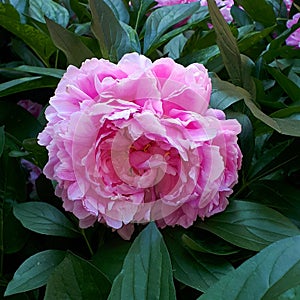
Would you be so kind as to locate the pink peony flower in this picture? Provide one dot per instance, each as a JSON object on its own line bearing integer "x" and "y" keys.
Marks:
{"x": 294, "y": 38}
{"x": 135, "y": 141}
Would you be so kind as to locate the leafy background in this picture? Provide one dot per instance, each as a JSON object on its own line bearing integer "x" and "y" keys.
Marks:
{"x": 250, "y": 251}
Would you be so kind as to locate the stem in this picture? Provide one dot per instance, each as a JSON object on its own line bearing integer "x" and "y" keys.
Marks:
{"x": 87, "y": 242}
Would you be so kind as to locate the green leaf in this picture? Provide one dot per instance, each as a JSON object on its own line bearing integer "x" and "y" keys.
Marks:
{"x": 196, "y": 271}
{"x": 68, "y": 42}
{"x": 147, "y": 270}
{"x": 250, "y": 225}
{"x": 259, "y": 10}
{"x": 110, "y": 257}
{"x": 210, "y": 244}
{"x": 25, "y": 84}
{"x": 227, "y": 44}
{"x": 38, "y": 9}
{"x": 119, "y": 9}
{"x": 44, "y": 218}
{"x": 14, "y": 234}
{"x": 38, "y": 41}
{"x": 283, "y": 126}
{"x": 114, "y": 40}
{"x": 34, "y": 271}
{"x": 162, "y": 19}
{"x": 18, "y": 122}
{"x": 265, "y": 276}
{"x": 224, "y": 93}
{"x": 38, "y": 152}
{"x": 2, "y": 139}
{"x": 282, "y": 196}
{"x": 76, "y": 278}
{"x": 51, "y": 72}
{"x": 140, "y": 8}
{"x": 292, "y": 90}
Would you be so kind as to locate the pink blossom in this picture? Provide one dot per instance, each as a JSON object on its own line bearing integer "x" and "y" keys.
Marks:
{"x": 32, "y": 107}
{"x": 294, "y": 38}
{"x": 288, "y": 4}
{"x": 135, "y": 141}
{"x": 225, "y": 7}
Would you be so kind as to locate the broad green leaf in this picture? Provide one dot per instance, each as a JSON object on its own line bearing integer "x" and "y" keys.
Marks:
{"x": 44, "y": 218}
{"x": 240, "y": 17}
{"x": 38, "y": 41}
{"x": 39, "y": 9}
{"x": 147, "y": 270}
{"x": 18, "y": 122}
{"x": 292, "y": 90}
{"x": 114, "y": 40}
{"x": 119, "y": 9}
{"x": 192, "y": 269}
{"x": 265, "y": 276}
{"x": 283, "y": 126}
{"x": 210, "y": 244}
{"x": 26, "y": 84}
{"x": 162, "y": 19}
{"x": 74, "y": 49}
{"x": 291, "y": 294}
{"x": 174, "y": 47}
{"x": 2, "y": 139}
{"x": 227, "y": 44}
{"x": 140, "y": 8}
{"x": 51, "y": 72}
{"x": 202, "y": 56}
{"x": 76, "y": 278}
{"x": 110, "y": 257}
{"x": 14, "y": 234}
{"x": 259, "y": 10}
{"x": 250, "y": 225}
{"x": 34, "y": 271}
{"x": 224, "y": 93}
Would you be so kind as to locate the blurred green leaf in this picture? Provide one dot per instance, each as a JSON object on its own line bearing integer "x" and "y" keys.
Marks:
{"x": 38, "y": 41}
{"x": 14, "y": 234}
{"x": 259, "y": 10}
{"x": 34, "y": 271}
{"x": 38, "y": 152}
{"x": 197, "y": 271}
{"x": 291, "y": 294}
{"x": 76, "y": 278}
{"x": 18, "y": 121}
{"x": 240, "y": 16}
{"x": 2, "y": 139}
{"x": 26, "y": 84}
{"x": 114, "y": 40}
{"x": 264, "y": 276}
{"x": 68, "y": 42}
{"x": 44, "y": 218}
{"x": 147, "y": 271}
{"x": 280, "y": 195}
{"x": 51, "y": 72}
{"x": 39, "y": 9}
{"x": 227, "y": 45}
{"x": 250, "y": 225}
{"x": 292, "y": 90}
{"x": 110, "y": 257}
{"x": 162, "y": 19}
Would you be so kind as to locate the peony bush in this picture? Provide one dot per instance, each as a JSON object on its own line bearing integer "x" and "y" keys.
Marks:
{"x": 157, "y": 157}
